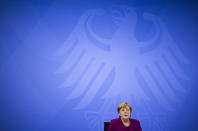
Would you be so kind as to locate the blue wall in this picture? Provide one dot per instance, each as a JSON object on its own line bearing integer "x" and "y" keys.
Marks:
{"x": 66, "y": 65}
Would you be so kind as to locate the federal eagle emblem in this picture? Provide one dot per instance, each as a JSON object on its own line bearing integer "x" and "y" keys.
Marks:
{"x": 91, "y": 59}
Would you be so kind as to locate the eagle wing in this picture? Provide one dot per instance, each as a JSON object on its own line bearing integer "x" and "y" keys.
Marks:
{"x": 84, "y": 52}
{"x": 161, "y": 66}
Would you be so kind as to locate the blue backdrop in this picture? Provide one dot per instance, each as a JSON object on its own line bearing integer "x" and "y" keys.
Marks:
{"x": 66, "y": 65}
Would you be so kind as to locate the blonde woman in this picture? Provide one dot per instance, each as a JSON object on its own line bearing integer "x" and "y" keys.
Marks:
{"x": 124, "y": 122}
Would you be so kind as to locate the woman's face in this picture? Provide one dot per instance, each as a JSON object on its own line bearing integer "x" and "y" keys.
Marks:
{"x": 125, "y": 113}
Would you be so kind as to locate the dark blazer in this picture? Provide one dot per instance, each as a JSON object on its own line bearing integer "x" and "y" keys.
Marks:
{"x": 117, "y": 125}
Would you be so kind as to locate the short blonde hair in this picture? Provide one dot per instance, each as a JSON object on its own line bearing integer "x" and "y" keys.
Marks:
{"x": 124, "y": 105}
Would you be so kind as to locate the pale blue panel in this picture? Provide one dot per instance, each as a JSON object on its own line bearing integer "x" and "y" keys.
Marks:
{"x": 66, "y": 66}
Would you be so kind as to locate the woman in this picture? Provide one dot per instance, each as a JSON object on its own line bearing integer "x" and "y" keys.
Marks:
{"x": 124, "y": 122}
